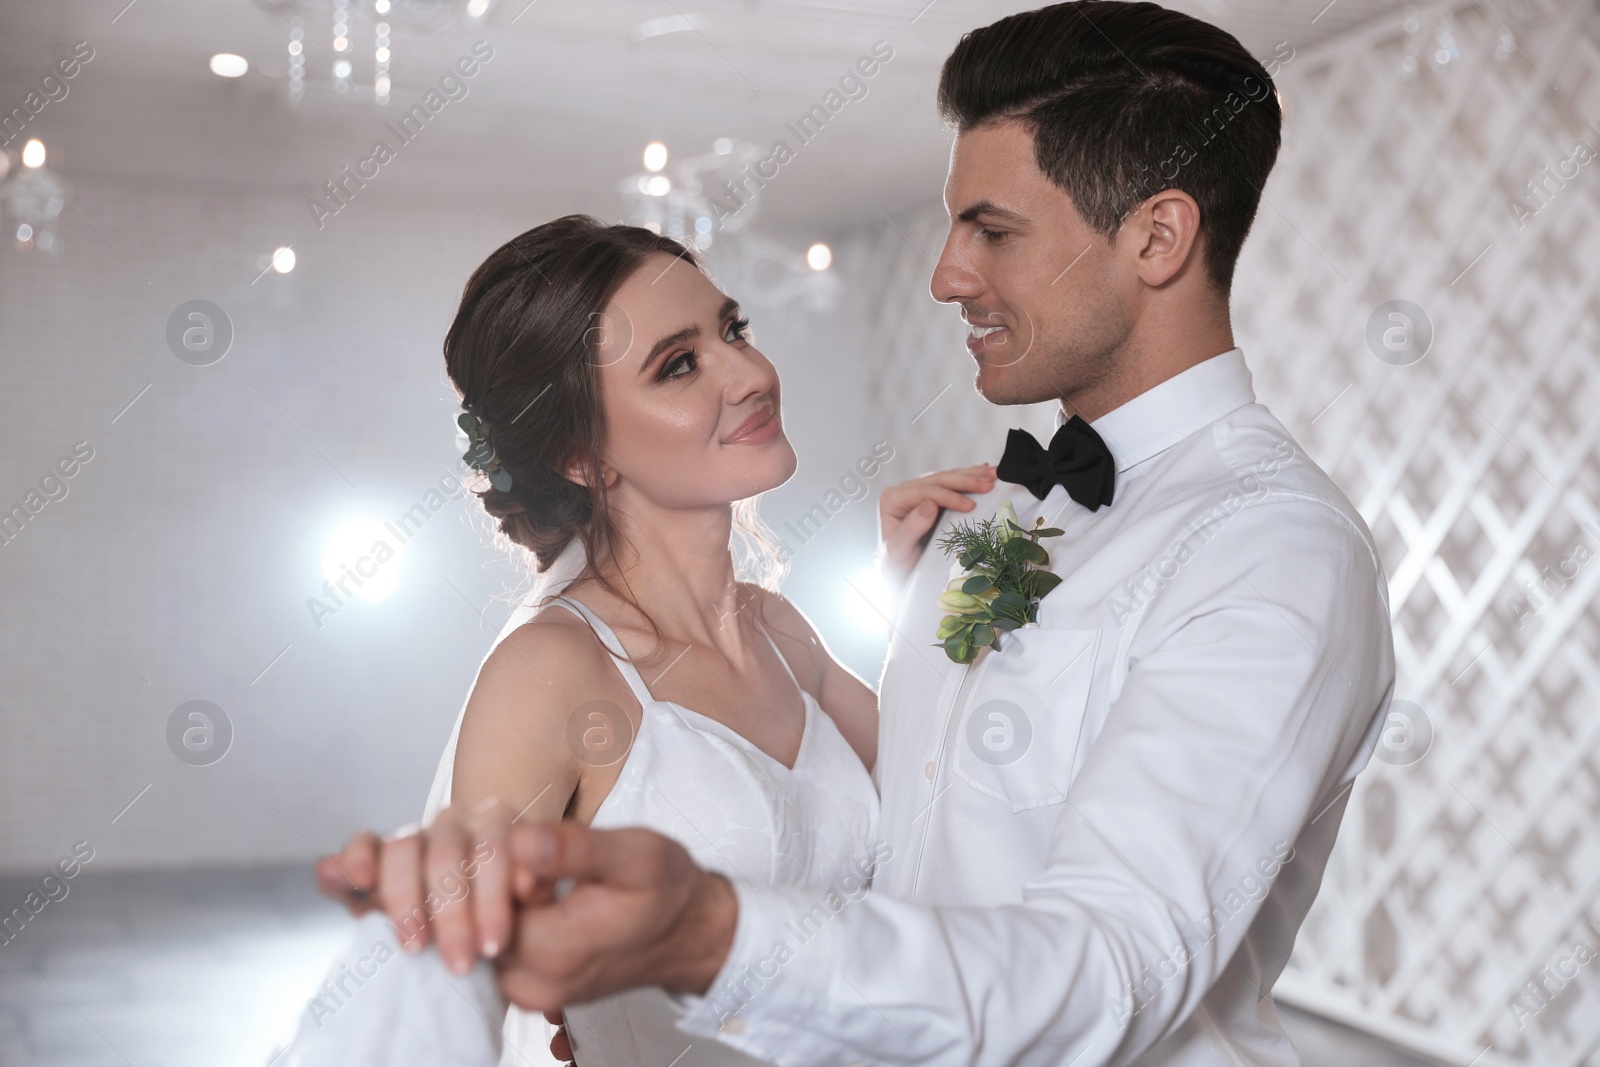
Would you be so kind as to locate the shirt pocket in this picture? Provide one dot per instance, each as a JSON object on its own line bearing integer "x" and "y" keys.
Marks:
{"x": 1019, "y": 731}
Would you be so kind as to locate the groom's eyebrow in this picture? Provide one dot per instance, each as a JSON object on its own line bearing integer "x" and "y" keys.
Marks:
{"x": 991, "y": 209}
{"x": 688, "y": 333}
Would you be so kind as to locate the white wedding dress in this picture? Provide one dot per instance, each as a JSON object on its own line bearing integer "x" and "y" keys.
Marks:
{"x": 737, "y": 810}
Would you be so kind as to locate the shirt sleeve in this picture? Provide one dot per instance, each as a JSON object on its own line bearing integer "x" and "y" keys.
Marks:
{"x": 1253, "y": 685}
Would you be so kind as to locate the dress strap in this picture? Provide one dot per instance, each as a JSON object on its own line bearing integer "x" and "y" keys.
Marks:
{"x": 781, "y": 658}
{"x": 608, "y": 638}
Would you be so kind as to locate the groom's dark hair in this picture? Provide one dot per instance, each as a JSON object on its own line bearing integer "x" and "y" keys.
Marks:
{"x": 1125, "y": 100}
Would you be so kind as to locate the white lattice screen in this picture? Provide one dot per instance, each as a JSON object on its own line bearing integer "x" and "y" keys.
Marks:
{"x": 1465, "y": 874}
{"x": 1462, "y": 876}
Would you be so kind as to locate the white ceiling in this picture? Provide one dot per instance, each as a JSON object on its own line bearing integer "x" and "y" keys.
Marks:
{"x": 558, "y": 115}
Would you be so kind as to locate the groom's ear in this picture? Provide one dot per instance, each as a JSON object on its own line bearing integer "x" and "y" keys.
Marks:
{"x": 1164, "y": 234}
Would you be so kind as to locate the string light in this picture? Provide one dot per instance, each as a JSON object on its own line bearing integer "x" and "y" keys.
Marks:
{"x": 297, "y": 60}
{"x": 380, "y": 58}
{"x": 341, "y": 43}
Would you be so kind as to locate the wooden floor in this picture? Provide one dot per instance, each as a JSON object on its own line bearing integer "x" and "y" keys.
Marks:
{"x": 210, "y": 968}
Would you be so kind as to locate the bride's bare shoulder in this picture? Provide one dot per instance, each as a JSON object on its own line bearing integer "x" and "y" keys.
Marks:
{"x": 513, "y": 741}
{"x": 776, "y": 609}
{"x": 555, "y": 649}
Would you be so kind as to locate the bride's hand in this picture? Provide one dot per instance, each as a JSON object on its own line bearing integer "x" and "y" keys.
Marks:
{"x": 452, "y": 883}
{"x": 906, "y": 512}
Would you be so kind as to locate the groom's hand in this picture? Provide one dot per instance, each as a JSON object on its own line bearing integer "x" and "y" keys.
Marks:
{"x": 907, "y": 512}
{"x": 640, "y": 913}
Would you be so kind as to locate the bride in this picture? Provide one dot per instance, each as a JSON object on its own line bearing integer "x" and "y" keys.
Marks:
{"x": 626, "y": 422}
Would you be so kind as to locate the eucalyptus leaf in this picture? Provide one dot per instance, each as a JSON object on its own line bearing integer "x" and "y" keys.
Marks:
{"x": 1009, "y": 604}
{"x": 976, "y": 584}
{"x": 1033, "y": 553}
{"x": 959, "y": 648}
{"x": 1048, "y": 531}
{"x": 982, "y": 634}
{"x": 1044, "y": 582}
{"x": 1005, "y": 623}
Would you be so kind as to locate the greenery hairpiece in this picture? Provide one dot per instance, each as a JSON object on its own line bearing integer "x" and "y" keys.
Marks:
{"x": 480, "y": 456}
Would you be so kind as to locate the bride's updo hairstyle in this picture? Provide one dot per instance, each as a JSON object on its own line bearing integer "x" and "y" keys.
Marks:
{"x": 522, "y": 353}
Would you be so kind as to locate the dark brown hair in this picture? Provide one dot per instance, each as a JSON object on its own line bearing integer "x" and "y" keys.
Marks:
{"x": 1115, "y": 93}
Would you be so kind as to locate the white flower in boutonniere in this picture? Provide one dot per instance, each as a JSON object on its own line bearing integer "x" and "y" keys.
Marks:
{"x": 1001, "y": 581}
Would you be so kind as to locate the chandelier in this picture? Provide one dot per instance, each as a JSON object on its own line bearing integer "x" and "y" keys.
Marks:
{"x": 31, "y": 200}
{"x": 328, "y": 33}
{"x": 718, "y": 193}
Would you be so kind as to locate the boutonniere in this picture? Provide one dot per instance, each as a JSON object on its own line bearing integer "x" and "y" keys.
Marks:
{"x": 1000, "y": 582}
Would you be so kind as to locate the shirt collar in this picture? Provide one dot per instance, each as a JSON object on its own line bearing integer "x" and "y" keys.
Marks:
{"x": 1165, "y": 414}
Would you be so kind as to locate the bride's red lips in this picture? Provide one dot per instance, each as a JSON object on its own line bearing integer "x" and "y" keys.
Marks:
{"x": 760, "y": 427}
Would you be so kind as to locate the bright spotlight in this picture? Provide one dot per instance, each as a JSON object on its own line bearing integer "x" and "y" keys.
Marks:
{"x": 228, "y": 65}
{"x": 655, "y": 156}
{"x": 476, "y": 8}
{"x": 819, "y": 256}
{"x": 33, "y": 153}
{"x": 283, "y": 260}
{"x": 870, "y": 601}
{"x": 660, "y": 185}
{"x": 361, "y": 554}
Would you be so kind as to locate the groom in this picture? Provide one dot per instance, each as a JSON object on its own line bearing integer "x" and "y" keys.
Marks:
{"x": 1101, "y": 839}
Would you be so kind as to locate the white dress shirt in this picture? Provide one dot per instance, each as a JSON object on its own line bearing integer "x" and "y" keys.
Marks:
{"x": 1102, "y": 838}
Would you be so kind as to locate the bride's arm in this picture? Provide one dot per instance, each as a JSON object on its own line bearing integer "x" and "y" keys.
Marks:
{"x": 452, "y": 882}
{"x": 513, "y": 744}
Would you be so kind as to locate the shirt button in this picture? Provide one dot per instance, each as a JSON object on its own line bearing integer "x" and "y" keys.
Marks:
{"x": 930, "y": 770}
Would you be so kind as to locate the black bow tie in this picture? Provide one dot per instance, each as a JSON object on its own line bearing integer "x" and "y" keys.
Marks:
{"x": 1077, "y": 458}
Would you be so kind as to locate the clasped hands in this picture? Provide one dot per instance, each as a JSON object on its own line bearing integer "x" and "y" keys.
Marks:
{"x": 566, "y": 913}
